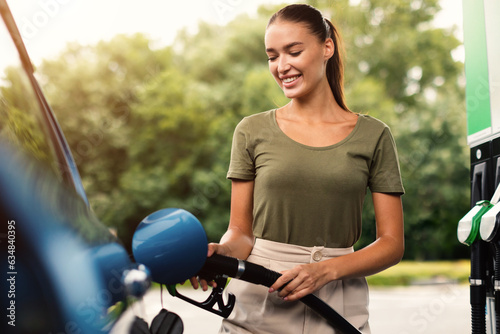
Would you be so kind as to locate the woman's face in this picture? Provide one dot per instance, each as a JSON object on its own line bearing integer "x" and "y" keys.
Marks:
{"x": 297, "y": 59}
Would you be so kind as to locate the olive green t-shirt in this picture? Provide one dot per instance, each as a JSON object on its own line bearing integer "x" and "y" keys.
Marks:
{"x": 312, "y": 196}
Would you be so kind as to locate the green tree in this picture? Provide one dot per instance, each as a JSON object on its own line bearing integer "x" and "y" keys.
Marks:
{"x": 152, "y": 128}
{"x": 91, "y": 90}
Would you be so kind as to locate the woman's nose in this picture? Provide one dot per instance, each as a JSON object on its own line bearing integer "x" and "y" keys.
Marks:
{"x": 283, "y": 65}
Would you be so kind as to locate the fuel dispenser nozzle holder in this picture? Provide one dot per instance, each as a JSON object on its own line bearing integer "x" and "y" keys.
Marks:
{"x": 469, "y": 226}
{"x": 480, "y": 226}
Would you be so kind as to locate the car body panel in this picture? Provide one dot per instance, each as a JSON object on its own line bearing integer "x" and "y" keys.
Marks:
{"x": 66, "y": 269}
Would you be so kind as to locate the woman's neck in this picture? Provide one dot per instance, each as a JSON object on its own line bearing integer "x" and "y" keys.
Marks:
{"x": 316, "y": 107}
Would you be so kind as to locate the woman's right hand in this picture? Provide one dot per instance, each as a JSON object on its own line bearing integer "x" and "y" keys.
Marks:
{"x": 213, "y": 248}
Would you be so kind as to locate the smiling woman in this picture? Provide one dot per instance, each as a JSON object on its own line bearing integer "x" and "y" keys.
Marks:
{"x": 302, "y": 48}
{"x": 299, "y": 178}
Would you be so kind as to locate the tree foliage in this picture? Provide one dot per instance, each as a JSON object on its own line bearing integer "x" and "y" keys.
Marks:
{"x": 152, "y": 128}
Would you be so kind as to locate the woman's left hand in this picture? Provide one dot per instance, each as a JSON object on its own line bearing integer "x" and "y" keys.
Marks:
{"x": 303, "y": 279}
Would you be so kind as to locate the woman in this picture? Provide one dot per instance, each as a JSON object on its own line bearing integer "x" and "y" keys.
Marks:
{"x": 299, "y": 177}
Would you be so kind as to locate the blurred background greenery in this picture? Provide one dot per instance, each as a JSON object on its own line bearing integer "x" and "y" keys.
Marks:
{"x": 152, "y": 127}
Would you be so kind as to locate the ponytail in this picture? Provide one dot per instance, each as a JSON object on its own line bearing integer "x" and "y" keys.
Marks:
{"x": 335, "y": 66}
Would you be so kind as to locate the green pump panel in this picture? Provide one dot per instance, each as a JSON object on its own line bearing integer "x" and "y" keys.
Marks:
{"x": 482, "y": 69}
{"x": 482, "y": 97}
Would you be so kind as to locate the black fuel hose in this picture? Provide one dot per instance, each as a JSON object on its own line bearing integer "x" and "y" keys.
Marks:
{"x": 496, "y": 286}
{"x": 256, "y": 274}
{"x": 477, "y": 281}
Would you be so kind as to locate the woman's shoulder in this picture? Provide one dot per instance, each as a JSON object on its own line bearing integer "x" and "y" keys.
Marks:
{"x": 372, "y": 124}
{"x": 372, "y": 121}
{"x": 260, "y": 116}
{"x": 260, "y": 119}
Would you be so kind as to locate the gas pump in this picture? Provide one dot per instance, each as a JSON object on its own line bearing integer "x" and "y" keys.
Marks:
{"x": 480, "y": 228}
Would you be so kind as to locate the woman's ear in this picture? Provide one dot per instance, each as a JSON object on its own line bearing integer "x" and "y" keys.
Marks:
{"x": 329, "y": 48}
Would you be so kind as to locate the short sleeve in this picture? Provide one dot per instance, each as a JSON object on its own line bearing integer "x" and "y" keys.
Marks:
{"x": 241, "y": 165}
{"x": 385, "y": 175}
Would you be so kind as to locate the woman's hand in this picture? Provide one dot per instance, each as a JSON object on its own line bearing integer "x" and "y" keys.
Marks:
{"x": 384, "y": 252}
{"x": 220, "y": 249}
{"x": 303, "y": 280}
{"x": 213, "y": 248}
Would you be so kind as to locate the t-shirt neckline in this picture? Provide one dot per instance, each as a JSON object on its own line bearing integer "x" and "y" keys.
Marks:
{"x": 317, "y": 148}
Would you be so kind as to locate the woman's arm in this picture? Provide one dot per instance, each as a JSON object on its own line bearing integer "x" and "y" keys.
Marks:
{"x": 238, "y": 239}
{"x": 386, "y": 251}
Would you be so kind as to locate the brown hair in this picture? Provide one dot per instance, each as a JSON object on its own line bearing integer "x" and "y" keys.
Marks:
{"x": 323, "y": 29}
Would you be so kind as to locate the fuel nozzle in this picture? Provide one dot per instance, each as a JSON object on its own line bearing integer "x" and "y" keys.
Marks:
{"x": 468, "y": 233}
{"x": 490, "y": 224}
{"x": 469, "y": 226}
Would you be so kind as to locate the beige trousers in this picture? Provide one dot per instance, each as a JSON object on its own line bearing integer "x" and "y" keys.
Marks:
{"x": 259, "y": 312}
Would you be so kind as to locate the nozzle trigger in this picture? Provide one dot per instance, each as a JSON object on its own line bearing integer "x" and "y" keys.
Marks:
{"x": 216, "y": 297}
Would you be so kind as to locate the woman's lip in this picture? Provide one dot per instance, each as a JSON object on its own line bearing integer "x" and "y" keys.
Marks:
{"x": 289, "y": 84}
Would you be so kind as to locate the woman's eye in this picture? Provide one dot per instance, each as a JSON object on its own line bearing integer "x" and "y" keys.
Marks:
{"x": 271, "y": 58}
{"x": 295, "y": 54}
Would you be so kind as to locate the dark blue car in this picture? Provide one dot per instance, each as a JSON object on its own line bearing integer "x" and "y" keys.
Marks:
{"x": 62, "y": 270}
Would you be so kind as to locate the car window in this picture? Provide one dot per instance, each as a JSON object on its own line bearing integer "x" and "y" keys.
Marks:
{"x": 20, "y": 122}
{"x": 23, "y": 130}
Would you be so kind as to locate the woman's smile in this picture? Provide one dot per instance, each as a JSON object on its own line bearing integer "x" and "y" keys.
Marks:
{"x": 290, "y": 81}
